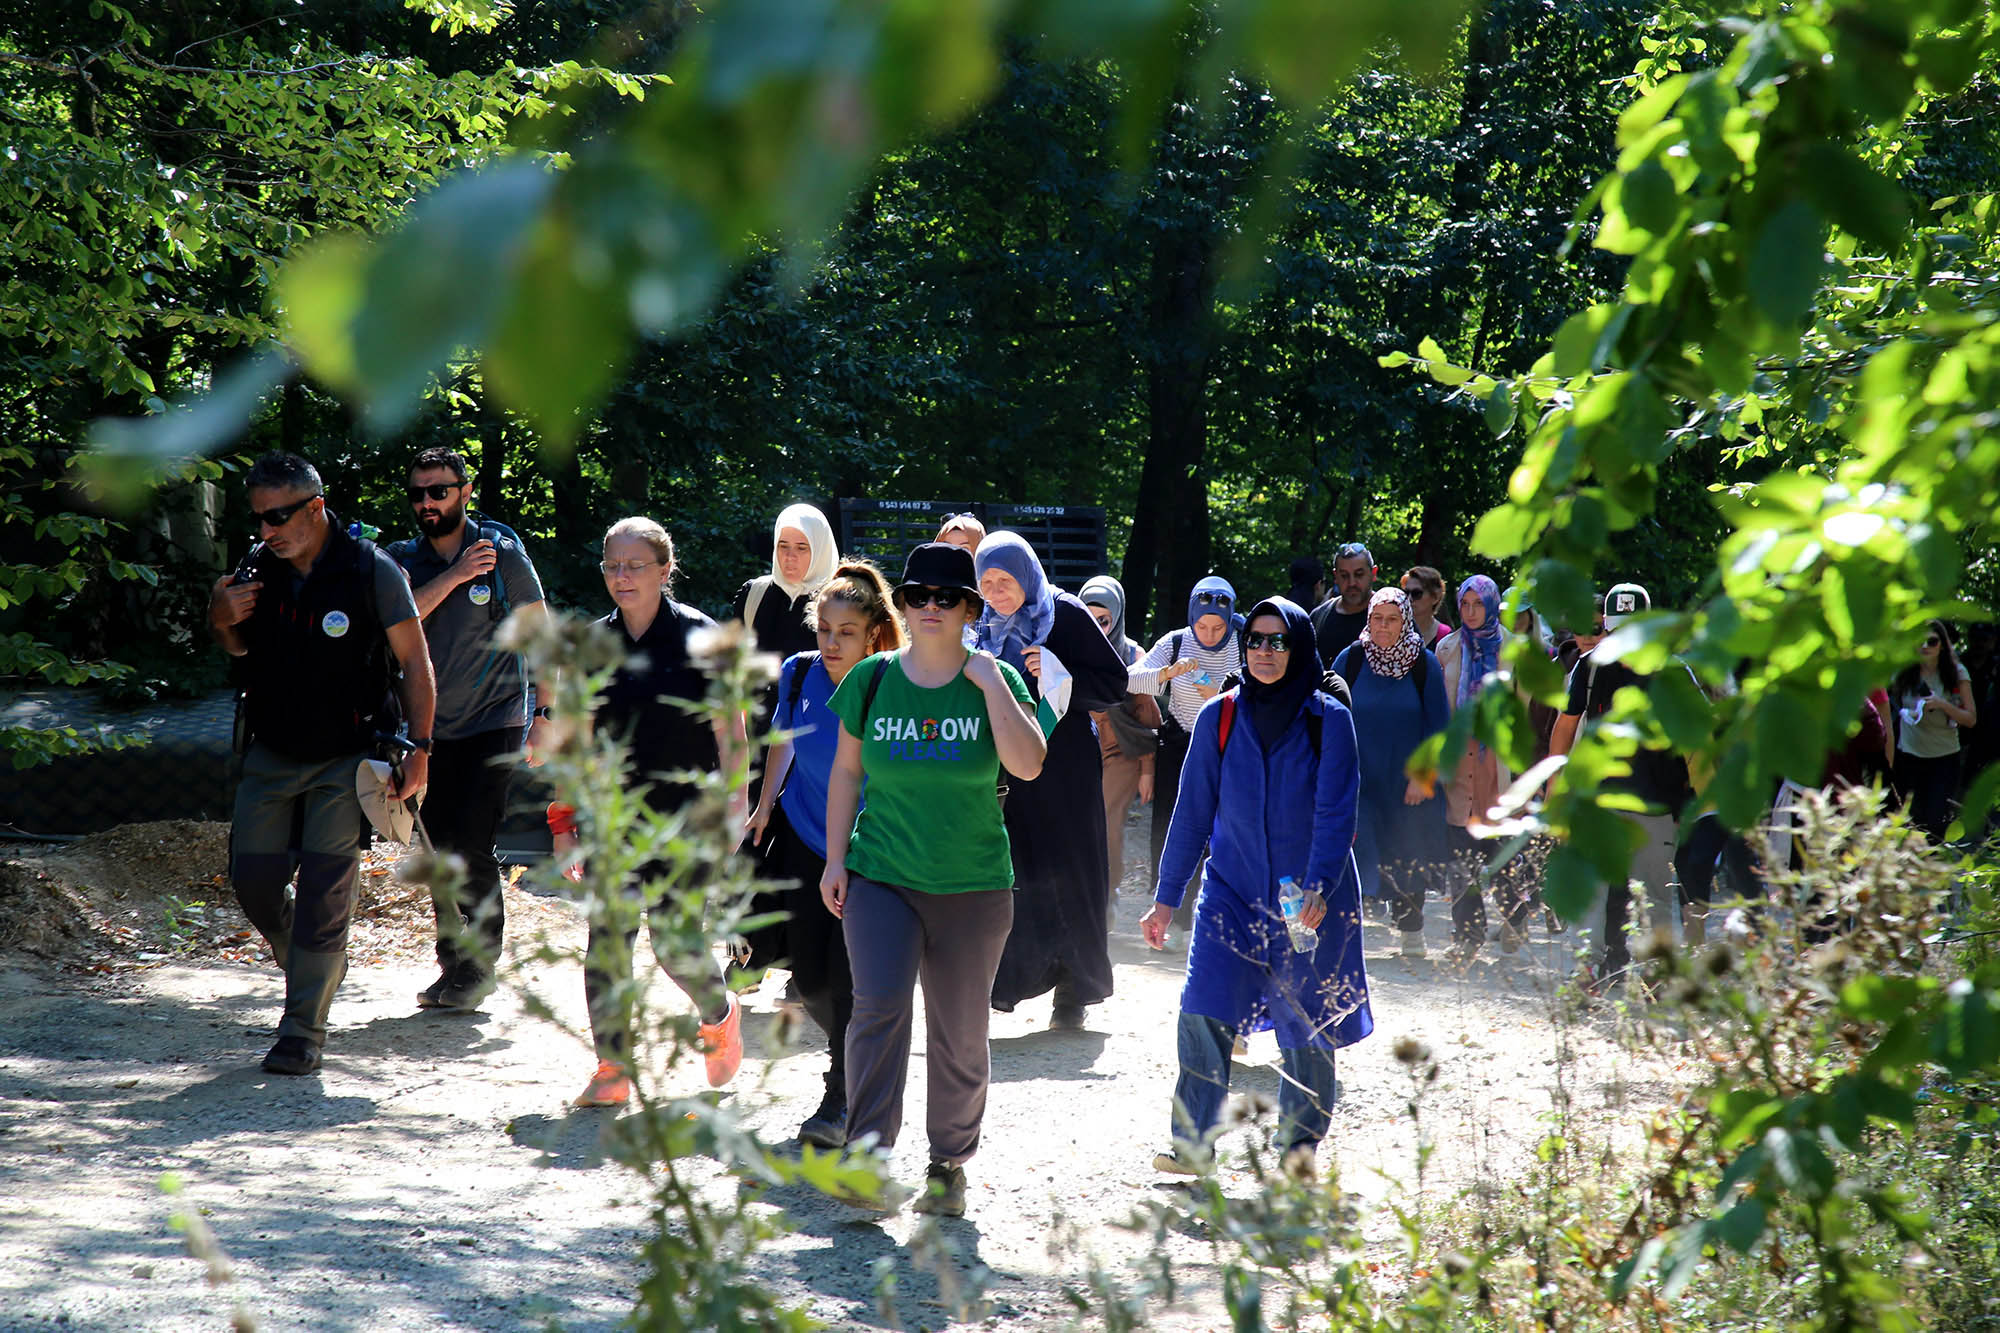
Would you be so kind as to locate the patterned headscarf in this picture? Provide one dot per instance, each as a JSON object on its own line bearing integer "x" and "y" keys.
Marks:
{"x": 1006, "y": 636}
{"x": 1396, "y": 660}
{"x": 1479, "y": 649}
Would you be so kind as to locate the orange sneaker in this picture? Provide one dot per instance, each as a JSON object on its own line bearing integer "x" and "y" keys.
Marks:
{"x": 722, "y": 1044}
{"x": 609, "y": 1086}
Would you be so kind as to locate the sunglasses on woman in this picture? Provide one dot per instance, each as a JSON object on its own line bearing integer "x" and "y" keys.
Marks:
{"x": 277, "y": 518}
{"x": 1212, "y": 598}
{"x": 1933, "y": 642}
{"x": 1277, "y": 642}
{"x": 944, "y": 599}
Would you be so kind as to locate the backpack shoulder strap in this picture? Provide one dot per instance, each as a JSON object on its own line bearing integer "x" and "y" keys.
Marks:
{"x": 1315, "y": 726}
{"x": 1178, "y": 636}
{"x": 751, "y": 604}
{"x": 1225, "y": 720}
{"x": 874, "y": 684}
{"x": 1420, "y": 672}
{"x": 798, "y": 686}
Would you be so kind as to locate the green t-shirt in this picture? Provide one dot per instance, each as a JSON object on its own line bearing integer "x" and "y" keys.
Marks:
{"x": 931, "y": 822}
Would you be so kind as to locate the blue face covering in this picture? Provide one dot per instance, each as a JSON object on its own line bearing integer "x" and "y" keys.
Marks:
{"x": 1006, "y": 636}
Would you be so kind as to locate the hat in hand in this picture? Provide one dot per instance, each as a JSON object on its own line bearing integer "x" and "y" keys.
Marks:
{"x": 940, "y": 565}
{"x": 395, "y": 820}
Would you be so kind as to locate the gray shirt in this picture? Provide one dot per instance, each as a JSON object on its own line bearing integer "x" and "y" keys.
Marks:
{"x": 478, "y": 689}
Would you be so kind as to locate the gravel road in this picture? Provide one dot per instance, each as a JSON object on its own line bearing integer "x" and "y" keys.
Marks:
{"x": 432, "y": 1176}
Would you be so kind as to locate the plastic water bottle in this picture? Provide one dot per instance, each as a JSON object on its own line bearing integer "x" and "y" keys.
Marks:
{"x": 1292, "y": 902}
{"x": 1202, "y": 678}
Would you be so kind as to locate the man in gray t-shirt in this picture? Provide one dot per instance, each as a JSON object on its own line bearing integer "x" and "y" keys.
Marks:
{"x": 468, "y": 574}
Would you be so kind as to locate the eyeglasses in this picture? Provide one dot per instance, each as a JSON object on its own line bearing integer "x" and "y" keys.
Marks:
{"x": 1212, "y": 598}
{"x": 277, "y": 518}
{"x": 1279, "y": 642}
{"x": 944, "y": 599}
{"x": 616, "y": 567}
{"x": 441, "y": 491}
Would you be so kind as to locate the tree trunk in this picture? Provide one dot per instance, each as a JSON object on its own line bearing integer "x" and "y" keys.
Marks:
{"x": 1170, "y": 530}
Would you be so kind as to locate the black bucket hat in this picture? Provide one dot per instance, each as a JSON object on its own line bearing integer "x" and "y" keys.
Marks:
{"x": 940, "y": 565}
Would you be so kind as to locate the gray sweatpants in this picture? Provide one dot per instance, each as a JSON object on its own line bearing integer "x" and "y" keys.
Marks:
{"x": 953, "y": 942}
{"x": 307, "y": 929}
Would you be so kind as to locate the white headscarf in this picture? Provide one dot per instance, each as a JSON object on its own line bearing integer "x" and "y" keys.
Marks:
{"x": 818, "y": 532}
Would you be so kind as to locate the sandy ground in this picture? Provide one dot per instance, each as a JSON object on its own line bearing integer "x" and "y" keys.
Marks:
{"x": 433, "y": 1176}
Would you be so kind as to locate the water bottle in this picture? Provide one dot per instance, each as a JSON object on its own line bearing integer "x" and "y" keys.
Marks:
{"x": 1202, "y": 678}
{"x": 1292, "y": 902}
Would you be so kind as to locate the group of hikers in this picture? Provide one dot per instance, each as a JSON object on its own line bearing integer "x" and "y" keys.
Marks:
{"x": 956, "y": 755}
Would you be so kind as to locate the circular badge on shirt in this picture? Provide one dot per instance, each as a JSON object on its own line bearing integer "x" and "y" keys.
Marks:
{"x": 480, "y": 594}
{"x": 334, "y": 624}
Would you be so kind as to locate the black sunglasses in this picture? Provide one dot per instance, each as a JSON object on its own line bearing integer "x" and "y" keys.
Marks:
{"x": 944, "y": 599}
{"x": 1933, "y": 642}
{"x": 440, "y": 491}
{"x": 1278, "y": 642}
{"x": 277, "y": 518}
{"x": 1212, "y": 598}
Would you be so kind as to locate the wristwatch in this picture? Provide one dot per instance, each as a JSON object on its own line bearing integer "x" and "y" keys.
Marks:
{"x": 421, "y": 743}
{"x": 544, "y": 713}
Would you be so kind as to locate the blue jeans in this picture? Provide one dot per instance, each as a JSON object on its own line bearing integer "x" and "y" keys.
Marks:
{"x": 1305, "y": 1095}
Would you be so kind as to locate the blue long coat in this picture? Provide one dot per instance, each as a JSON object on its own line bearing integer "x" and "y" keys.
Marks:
{"x": 1263, "y": 815}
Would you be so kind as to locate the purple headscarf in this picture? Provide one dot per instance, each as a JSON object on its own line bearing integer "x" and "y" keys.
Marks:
{"x": 1479, "y": 649}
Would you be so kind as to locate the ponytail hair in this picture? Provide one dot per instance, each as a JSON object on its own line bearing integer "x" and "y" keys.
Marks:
{"x": 858, "y": 584}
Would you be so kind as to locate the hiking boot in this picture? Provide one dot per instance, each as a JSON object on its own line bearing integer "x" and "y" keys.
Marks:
{"x": 827, "y": 1127}
{"x": 944, "y": 1191}
{"x": 1173, "y": 1164}
{"x": 1066, "y": 1018}
{"x": 427, "y": 998}
{"x": 722, "y": 1045}
{"x": 1413, "y": 944}
{"x": 470, "y": 985}
{"x": 609, "y": 1086}
{"x": 292, "y": 1055}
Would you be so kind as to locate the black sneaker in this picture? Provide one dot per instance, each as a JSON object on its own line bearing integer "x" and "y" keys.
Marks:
{"x": 427, "y": 998}
{"x": 292, "y": 1055}
{"x": 470, "y": 985}
{"x": 826, "y": 1127}
{"x": 944, "y": 1191}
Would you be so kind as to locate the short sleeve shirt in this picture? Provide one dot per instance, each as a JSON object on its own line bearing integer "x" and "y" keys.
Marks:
{"x": 1659, "y": 776}
{"x": 478, "y": 689}
{"x": 932, "y": 822}
{"x": 815, "y": 738}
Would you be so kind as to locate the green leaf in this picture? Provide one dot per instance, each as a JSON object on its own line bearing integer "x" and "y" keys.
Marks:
{"x": 1586, "y": 338}
{"x": 1651, "y": 202}
{"x": 1855, "y": 196}
{"x": 1788, "y": 262}
{"x": 1499, "y": 409}
{"x": 1743, "y": 1225}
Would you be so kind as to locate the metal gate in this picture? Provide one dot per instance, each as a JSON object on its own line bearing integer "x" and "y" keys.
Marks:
{"x": 1069, "y": 539}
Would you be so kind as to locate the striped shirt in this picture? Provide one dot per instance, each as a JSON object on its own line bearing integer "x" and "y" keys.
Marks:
{"x": 1183, "y": 700}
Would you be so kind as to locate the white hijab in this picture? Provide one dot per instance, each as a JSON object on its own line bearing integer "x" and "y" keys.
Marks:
{"x": 820, "y": 534}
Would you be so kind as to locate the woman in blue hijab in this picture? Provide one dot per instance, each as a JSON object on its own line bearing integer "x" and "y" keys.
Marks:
{"x": 1188, "y": 665}
{"x": 1271, "y": 786}
{"x": 1055, "y": 822}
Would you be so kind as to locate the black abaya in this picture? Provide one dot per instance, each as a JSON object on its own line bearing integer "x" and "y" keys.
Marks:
{"x": 1056, "y": 826}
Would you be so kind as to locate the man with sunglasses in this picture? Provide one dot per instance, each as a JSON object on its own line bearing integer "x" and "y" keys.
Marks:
{"x": 323, "y": 629}
{"x": 468, "y": 573}
{"x": 1340, "y": 620}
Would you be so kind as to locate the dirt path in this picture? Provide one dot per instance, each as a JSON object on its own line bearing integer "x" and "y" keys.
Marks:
{"x": 432, "y": 1177}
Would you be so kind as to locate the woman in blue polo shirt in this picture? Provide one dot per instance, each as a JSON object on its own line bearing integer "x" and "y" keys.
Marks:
{"x": 854, "y": 619}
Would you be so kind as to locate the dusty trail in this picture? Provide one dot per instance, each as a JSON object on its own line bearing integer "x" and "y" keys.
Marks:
{"x": 432, "y": 1177}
